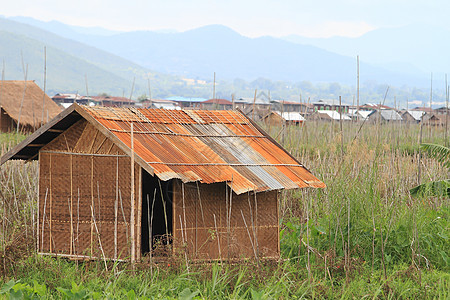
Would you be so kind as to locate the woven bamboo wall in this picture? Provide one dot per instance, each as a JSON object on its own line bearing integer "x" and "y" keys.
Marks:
{"x": 205, "y": 229}
{"x": 7, "y": 124}
{"x": 70, "y": 183}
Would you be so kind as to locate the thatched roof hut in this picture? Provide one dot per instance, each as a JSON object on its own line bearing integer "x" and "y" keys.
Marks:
{"x": 118, "y": 182}
{"x": 24, "y": 103}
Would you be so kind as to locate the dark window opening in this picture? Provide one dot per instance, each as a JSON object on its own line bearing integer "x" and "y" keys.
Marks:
{"x": 156, "y": 223}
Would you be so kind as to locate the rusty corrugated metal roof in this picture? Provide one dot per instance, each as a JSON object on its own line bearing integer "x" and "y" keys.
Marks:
{"x": 206, "y": 146}
{"x": 192, "y": 145}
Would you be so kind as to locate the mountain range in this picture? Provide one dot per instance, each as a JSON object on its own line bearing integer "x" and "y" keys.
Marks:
{"x": 111, "y": 61}
{"x": 417, "y": 48}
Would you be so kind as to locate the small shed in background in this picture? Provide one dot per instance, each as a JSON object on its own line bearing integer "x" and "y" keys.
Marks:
{"x": 433, "y": 119}
{"x": 117, "y": 182}
{"x": 329, "y": 115}
{"x": 413, "y": 116}
{"x": 385, "y": 116}
{"x": 279, "y": 118}
{"x": 24, "y": 103}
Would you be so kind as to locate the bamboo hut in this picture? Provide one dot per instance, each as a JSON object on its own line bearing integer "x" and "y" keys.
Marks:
{"x": 117, "y": 182}
{"x": 24, "y": 103}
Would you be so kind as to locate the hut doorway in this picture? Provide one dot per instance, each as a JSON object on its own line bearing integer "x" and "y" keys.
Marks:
{"x": 157, "y": 204}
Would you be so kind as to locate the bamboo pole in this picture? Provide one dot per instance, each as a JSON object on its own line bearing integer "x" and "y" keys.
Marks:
{"x": 357, "y": 89}
{"x": 250, "y": 237}
{"x": 217, "y": 235}
{"x": 71, "y": 207}
{"x": 86, "y": 82}
{"x": 45, "y": 85}
{"x": 253, "y": 110}
{"x": 149, "y": 228}
{"x": 78, "y": 223}
{"x": 340, "y": 126}
{"x": 431, "y": 103}
{"x": 420, "y": 151}
{"x": 132, "y": 89}
{"x": 151, "y": 231}
{"x": 308, "y": 263}
{"x": 165, "y": 211}
{"x": 185, "y": 245}
{"x": 43, "y": 219}
{"x": 92, "y": 204}
{"x": 226, "y": 221}
{"x": 71, "y": 228}
{"x": 214, "y": 91}
{"x": 256, "y": 222}
{"x": 99, "y": 239}
{"x": 38, "y": 203}
{"x": 99, "y": 206}
{"x": 446, "y": 139}
{"x": 230, "y": 207}
{"x": 116, "y": 208}
{"x": 51, "y": 204}
{"x": 23, "y": 96}
{"x": 139, "y": 216}
{"x": 132, "y": 220}
{"x": 184, "y": 211}
{"x": 149, "y": 91}
{"x": 255, "y": 237}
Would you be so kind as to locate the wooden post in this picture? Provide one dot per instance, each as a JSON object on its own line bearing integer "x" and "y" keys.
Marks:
{"x": 72, "y": 245}
{"x": 149, "y": 91}
{"x": 446, "y": 112}
{"x": 23, "y": 94}
{"x": 45, "y": 84}
{"x": 38, "y": 206}
{"x": 214, "y": 92}
{"x": 51, "y": 204}
{"x": 340, "y": 126}
{"x": 253, "y": 111}
{"x": 92, "y": 204}
{"x": 116, "y": 208}
{"x": 132, "y": 220}
{"x": 139, "y": 215}
{"x": 357, "y": 89}
{"x": 43, "y": 220}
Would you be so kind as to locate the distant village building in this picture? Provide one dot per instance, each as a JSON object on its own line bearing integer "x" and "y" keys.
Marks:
{"x": 330, "y": 105}
{"x": 374, "y": 106}
{"x": 216, "y": 104}
{"x": 329, "y": 115}
{"x": 158, "y": 103}
{"x": 360, "y": 115}
{"x": 290, "y": 106}
{"x": 434, "y": 119}
{"x": 187, "y": 102}
{"x": 385, "y": 116}
{"x": 278, "y": 118}
{"x": 413, "y": 116}
{"x": 24, "y": 103}
{"x": 65, "y": 100}
{"x": 110, "y": 101}
{"x": 442, "y": 110}
{"x": 424, "y": 109}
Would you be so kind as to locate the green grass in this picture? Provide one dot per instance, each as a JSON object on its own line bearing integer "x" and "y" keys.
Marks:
{"x": 363, "y": 236}
{"x": 284, "y": 280}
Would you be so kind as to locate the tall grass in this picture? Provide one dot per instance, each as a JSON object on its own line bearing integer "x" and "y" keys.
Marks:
{"x": 362, "y": 236}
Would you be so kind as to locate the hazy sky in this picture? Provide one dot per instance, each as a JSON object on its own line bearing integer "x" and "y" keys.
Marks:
{"x": 312, "y": 18}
